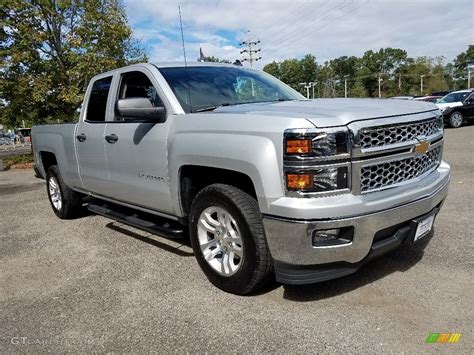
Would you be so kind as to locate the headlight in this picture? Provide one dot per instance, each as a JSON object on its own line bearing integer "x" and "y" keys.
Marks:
{"x": 317, "y": 161}
{"x": 316, "y": 144}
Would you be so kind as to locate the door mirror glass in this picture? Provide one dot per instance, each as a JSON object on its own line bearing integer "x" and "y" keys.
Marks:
{"x": 139, "y": 109}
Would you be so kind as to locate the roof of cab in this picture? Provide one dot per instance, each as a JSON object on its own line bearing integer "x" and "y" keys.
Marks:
{"x": 192, "y": 64}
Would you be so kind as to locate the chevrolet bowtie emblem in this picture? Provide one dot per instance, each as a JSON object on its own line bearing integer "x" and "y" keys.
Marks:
{"x": 422, "y": 147}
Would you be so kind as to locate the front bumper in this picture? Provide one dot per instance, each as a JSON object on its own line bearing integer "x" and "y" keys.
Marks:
{"x": 290, "y": 240}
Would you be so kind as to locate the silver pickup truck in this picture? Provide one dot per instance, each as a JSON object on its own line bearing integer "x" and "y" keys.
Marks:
{"x": 266, "y": 183}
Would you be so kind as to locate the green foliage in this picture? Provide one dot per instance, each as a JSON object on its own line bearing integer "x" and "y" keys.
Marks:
{"x": 462, "y": 61}
{"x": 216, "y": 60}
{"x": 50, "y": 50}
{"x": 19, "y": 159}
{"x": 399, "y": 74}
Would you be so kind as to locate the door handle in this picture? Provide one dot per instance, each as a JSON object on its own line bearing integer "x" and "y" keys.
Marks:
{"x": 111, "y": 138}
{"x": 81, "y": 137}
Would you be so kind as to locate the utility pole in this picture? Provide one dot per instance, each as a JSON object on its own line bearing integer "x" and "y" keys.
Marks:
{"x": 250, "y": 50}
{"x": 306, "y": 86}
{"x": 468, "y": 76}
{"x": 421, "y": 84}
{"x": 399, "y": 82}
{"x": 380, "y": 86}
{"x": 345, "y": 85}
{"x": 313, "y": 84}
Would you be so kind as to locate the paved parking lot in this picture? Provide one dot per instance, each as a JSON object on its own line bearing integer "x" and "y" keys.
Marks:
{"x": 96, "y": 285}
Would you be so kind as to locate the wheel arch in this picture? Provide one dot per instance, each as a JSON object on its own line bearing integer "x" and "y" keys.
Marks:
{"x": 48, "y": 159}
{"x": 193, "y": 178}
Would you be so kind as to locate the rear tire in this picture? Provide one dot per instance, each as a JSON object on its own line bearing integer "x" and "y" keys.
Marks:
{"x": 66, "y": 203}
{"x": 228, "y": 239}
{"x": 456, "y": 119}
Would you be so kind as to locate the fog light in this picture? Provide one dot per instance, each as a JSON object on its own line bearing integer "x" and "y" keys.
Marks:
{"x": 299, "y": 181}
{"x": 330, "y": 237}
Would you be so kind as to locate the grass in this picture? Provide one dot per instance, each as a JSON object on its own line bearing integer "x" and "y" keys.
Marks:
{"x": 19, "y": 159}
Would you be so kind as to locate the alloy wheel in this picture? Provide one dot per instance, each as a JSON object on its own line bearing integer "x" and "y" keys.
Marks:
{"x": 220, "y": 240}
{"x": 55, "y": 193}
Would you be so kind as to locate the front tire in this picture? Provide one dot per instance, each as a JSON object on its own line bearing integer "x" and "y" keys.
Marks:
{"x": 456, "y": 119}
{"x": 228, "y": 239}
{"x": 66, "y": 203}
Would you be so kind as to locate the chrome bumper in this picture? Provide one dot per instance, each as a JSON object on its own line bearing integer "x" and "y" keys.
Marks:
{"x": 290, "y": 240}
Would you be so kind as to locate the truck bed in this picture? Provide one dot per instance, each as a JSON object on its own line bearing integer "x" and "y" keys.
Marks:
{"x": 59, "y": 140}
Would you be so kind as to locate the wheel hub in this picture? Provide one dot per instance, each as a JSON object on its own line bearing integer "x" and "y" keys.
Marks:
{"x": 220, "y": 240}
{"x": 55, "y": 193}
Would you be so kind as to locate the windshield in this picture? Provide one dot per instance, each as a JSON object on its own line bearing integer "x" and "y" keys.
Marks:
{"x": 454, "y": 97}
{"x": 206, "y": 88}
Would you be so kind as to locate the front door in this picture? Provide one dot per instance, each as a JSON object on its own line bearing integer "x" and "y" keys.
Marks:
{"x": 136, "y": 151}
{"x": 89, "y": 137}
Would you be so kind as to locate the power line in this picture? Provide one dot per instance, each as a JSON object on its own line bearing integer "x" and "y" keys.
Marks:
{"x": 305, "y": 15}
{"x": 305, "y": 28}
{"x": 250, "y": 52}
{"x": 277, "y": 23}
{"x": 295, "y": 41}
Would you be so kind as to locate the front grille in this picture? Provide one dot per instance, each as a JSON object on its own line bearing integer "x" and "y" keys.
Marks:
{"x": 389, "y": 173}
{"x": 391, "y": 134}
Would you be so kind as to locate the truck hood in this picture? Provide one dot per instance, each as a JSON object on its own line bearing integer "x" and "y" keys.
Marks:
{"x": 332, "y": 112}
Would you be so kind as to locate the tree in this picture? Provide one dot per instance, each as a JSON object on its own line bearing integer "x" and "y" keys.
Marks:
{"x": 308, "y": 68}
{"x": 344, "y": 68}
{"x": 273, "y": 68}
{"x": 50, "y": 50}
{"x": 216, "y": 60}
{"x": 290, "y": 71}
{"x": 461, "y": 62}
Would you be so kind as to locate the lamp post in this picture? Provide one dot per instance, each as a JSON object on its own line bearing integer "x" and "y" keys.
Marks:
{"x": 306, "y": 86}
{"x": 421, "y": 84}
{"x": 313, "y": 84}
{"x": 380, "y": 86}
{"x": 345, "y": 85}
{"x": 468, "y": 76}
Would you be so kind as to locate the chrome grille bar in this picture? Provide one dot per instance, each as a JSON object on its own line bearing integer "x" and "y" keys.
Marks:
{"x": 388, "y": 174}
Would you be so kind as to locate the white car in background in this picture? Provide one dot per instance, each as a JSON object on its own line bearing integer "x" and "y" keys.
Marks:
{"x": 453, "y": 99}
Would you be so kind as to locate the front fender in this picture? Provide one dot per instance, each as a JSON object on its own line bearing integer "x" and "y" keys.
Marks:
{"x": 255, "y": 156}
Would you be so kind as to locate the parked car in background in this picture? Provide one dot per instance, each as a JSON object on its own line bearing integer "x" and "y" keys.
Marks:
{"x": 453, "y": 99}
{"x": 407, "y": 97}
{"x": 431, "y": 98}
{"x": 441, "y": 93}
{"x": 5, "y": 140}
{"x": 457, "y": 114}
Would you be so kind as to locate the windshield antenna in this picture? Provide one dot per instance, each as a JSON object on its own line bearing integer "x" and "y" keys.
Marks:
{"x": 184, "y": 53}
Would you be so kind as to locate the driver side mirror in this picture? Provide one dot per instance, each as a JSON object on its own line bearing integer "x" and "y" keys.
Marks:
{"x": 468, "y": 102}
{"x": 139, "y": 109}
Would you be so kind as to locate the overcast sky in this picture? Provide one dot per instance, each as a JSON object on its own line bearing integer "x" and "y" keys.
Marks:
{"x": 290, "y": 29}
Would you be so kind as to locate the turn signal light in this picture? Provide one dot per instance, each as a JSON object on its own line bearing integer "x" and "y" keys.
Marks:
{"x": 298, "y": 146}
{"x": 299, "y": 181}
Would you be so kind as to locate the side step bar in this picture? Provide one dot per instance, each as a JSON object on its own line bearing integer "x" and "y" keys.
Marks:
{"x": 144, "y": 221}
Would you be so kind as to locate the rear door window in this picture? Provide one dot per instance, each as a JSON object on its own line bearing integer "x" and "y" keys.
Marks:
{"x": 97, "y": 106}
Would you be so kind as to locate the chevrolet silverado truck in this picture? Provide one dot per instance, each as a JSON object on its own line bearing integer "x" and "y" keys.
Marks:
{"x": 267, "y": 184}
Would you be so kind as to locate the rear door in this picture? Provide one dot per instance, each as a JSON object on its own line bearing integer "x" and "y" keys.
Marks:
{"x": 89, "y": 136}
{"x": 137, "y": 154}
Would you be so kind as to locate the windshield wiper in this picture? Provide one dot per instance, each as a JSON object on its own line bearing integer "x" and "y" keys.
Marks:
{"x": 212, "y": 108}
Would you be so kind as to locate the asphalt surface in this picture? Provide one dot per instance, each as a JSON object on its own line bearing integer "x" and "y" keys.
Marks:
{"x": 95, "y": 285}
